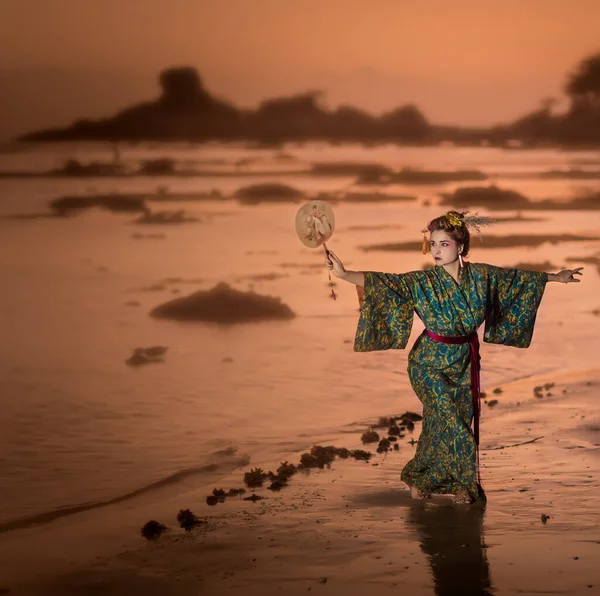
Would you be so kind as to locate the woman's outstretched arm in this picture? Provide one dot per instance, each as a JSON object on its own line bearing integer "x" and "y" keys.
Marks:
{"x": 336, "y": 266}
{"x": 566, "y": 276}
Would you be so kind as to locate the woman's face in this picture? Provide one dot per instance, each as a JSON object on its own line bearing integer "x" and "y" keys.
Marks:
{"x": 444, "y": 249}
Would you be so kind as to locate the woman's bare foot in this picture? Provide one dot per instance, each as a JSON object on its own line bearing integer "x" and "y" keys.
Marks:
{"x": 462, "y": 497}
{"x": 418, "y": 494}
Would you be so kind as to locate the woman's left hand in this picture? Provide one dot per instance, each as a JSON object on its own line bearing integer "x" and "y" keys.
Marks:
{"x": 567, "y": 276}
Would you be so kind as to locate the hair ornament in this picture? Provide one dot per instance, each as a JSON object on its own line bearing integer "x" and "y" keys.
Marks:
{"x": 476, "y": 222}
{"x": 456, "y": 221}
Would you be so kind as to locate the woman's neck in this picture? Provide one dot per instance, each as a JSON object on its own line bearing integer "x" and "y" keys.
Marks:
{"x": 453, "y": 269}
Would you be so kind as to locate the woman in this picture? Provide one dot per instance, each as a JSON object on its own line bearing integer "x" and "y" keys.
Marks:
{"x": 452, "y": 299}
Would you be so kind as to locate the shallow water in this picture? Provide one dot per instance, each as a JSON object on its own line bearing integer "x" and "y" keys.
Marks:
{"x": 81, "y": 426}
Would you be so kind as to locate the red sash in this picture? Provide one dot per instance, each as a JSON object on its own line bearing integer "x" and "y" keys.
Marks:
{"x": 473, "y": 341}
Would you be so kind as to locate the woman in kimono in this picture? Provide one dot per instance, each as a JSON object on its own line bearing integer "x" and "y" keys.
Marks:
{"x": 453, "y": 299}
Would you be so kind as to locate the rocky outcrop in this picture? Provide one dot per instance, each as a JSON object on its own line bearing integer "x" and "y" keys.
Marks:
{"x": 225, "y": 305}
{"x": 186, "y": 110}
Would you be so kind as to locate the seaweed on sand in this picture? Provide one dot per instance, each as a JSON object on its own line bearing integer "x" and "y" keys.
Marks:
{"x": 152, "y": 529}
{"x": 187, "y": 520}
{"x": 255, "y": 477}
{"x": 384, "y": 446}
{"x": 370, "y": 436}
{"x": 361, "y": 455}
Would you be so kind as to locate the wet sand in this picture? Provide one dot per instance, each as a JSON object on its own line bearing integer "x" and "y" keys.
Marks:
{"x": 353, "y": 527}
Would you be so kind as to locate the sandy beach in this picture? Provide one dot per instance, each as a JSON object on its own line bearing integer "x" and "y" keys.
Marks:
{"x": 353, "y": 528}
{"x": 225, "y": 228}
{"x": 94, "y": 446}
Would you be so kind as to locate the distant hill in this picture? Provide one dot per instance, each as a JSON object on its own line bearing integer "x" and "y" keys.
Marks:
{"x": 187, "y": 111}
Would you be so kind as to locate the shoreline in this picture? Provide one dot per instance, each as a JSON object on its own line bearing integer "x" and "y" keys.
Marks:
{"x": 354, "y": 525}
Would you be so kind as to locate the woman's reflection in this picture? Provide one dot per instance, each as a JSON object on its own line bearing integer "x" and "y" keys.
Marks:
{"x": 452, "y": 539}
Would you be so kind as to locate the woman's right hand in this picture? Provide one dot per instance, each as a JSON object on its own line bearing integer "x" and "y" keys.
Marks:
{"x": 334, "y": 264}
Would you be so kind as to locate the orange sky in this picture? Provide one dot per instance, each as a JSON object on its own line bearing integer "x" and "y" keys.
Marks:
{"x": 462, "y": 61}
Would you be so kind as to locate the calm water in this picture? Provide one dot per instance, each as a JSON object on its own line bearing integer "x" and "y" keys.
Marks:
{"x": 79, "y": 425}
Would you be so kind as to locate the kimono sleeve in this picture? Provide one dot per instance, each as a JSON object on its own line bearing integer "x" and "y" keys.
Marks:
{"x": 514, "y": 296}
{"x": 386, "y": 312}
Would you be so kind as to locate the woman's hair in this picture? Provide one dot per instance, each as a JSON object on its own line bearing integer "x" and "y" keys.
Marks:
{"x": 459, "y": 233}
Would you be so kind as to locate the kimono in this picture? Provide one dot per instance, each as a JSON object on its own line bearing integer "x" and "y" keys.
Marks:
{"x": 440, "y": 374}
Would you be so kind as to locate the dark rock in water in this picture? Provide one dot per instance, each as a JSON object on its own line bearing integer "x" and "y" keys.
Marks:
{"x": 154, "y": 351}
{"x": 366, "y": 172}
{"x": 162, "y": 166}
{"x": 272, "y": 192}
{"x": 413, "y": 176}
{"x": 212, "y": 500}
{"x": 71, "y": 205}
{"x": 375, "y": 197}
{"x": 152, "y": 529}
{"x": 545, "y": 518}
{"x": 492, "y": 403}
{"x": 253, "y": 498}
{"x": 222, "y": 304}
{"x": 142, "y": 356}
{"x": 76, "y": 169}
{"x": 165, "y": 217}
{"x": 187, "y": 520}
{"x": 392, "y": 438}
{"x": 396, "y": 447}
{"x": 490, "y": 197}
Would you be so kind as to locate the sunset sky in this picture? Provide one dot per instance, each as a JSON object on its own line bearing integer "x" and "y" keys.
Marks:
{"x": 461, "y": 61}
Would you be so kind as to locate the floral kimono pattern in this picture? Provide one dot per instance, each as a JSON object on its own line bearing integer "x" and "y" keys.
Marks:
{"x": 505, "y": 299}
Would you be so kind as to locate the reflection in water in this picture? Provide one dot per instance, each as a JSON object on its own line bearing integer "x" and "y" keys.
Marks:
{"x": 452, "y": 539}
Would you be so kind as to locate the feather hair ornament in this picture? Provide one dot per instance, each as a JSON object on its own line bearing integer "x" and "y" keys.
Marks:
{"x": 476, "y": 222}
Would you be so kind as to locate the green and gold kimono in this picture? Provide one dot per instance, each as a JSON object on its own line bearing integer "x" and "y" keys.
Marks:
{"x": 505, "y": 299}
